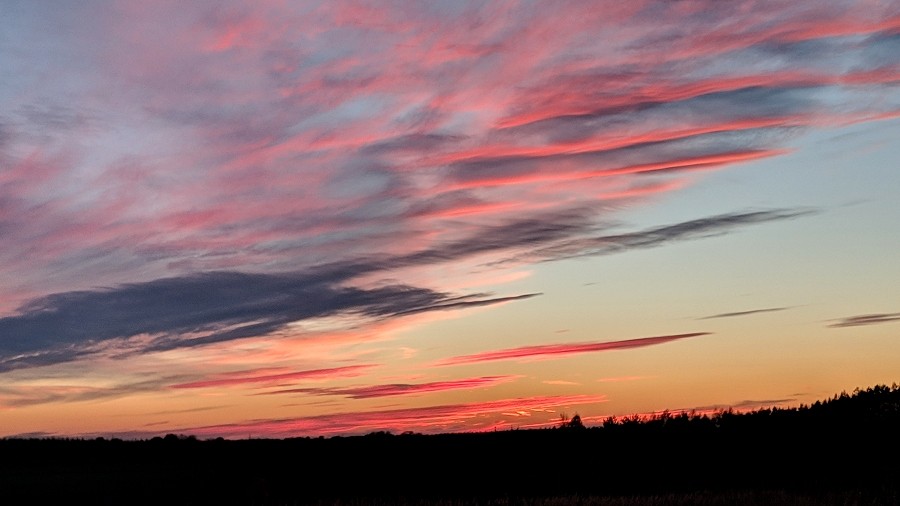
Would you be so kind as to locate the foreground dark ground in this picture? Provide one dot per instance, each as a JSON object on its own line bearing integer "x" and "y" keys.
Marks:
{"x": 845, "y": 450}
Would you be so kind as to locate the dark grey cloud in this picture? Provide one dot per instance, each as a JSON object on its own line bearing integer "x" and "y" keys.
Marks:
{"x": 744, "y": 313}
{"x": 469, "y": 303}
{"x": 691, "y": 229}
{"x": 221, "y": 305}
{"x": 53, "y": 117}
{"x": 224, "y": 306}
{"x": 413, "y": 143}
{"x": 526, "y": 232}
{"x": 866, "y": 319}
{"x": 559, "y": 235}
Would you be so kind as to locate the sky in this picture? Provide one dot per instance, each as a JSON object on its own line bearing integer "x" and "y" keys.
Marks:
{"x": 279, "y": 218}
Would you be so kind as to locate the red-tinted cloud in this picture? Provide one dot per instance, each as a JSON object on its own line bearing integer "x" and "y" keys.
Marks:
{"x": 550, "y": 350}
{"x": 251, "y": 377}
{"x": 401, "y": 388}
{"x": 337, "y": 132}
{"x": 432, "y": 419}
{"x": 352, "y": 133}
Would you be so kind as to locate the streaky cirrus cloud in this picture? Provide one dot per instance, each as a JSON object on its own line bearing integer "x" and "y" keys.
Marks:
{"x": 394, "y": 389}
{"x": 560, "y": 382}
{"x": 429, "y": 419}
{"x": 619, "y": 379}
{"x": 23, "y": 395}
{"x": 459, "y": 304}
{"x": 744, "y": 313}
{"x": 355, "y": 131}
{"x": 565, "y": 234}
{"x": 241, "y": 378}
{"x": 206, "y": 308}
{"x": 550, "y": 350}
{"x": 866, "y": 319}
{"x": 652, "y": 237}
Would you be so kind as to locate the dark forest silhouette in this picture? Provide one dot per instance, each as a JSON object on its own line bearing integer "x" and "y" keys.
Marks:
{"x": 850, "y": 442}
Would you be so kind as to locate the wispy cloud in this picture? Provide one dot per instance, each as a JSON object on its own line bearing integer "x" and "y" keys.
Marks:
{"x": 751, "y": 404}
{"x": 744, "y": 313}
{"x": 619, "y": 379}
{"x": 549, "y": 350}
{"x": 248, "y": 377}
{"x": 23, "y": 395}
{"x": 394, "y": 389}
{"x": 691, "y": 229}
{"x": 411, "y": 133}
{"x": 460, "y": 304}
{"x": 866, "y": 319}
{"x": 431, "y": 419}
{"x": 215, "y": 307}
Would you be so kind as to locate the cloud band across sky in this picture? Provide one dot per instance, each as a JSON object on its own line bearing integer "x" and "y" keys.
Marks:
{"x": 213, "y": 307}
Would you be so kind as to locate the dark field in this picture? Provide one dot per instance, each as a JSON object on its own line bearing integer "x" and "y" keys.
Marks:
{"x": 845, "y": 450}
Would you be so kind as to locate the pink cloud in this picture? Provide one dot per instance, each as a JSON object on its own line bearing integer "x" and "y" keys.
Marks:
{"x": 240, "y": 133}
{"x": 549, "y": 350}
{"x": 393, "y": 389}
{"x": 536, "y": 177}
{"x": 431, "y": 419}
{"x": 592, "y": 94}
{"x": 253, "y": 377}
{"x": 283, "y": 136}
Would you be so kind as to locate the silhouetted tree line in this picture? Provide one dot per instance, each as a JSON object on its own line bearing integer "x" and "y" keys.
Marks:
{"x": 848, "y": 442}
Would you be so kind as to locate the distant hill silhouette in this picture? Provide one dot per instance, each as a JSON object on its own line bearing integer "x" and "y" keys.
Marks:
{"x": 850, "y": 442}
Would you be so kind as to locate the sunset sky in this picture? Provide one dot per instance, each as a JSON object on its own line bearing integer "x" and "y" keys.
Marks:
{"x": 293, "y": 218}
